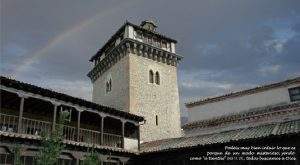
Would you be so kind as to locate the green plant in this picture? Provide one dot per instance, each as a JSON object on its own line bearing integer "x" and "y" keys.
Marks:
{"x": 91, "y": 158}
{"x": 52, "y": 143}
{"x": 17, "y": 155}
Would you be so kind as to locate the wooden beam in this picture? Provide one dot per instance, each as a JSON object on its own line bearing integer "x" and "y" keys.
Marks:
{"x": 123, "y": 133}
{"x": 78, "y": 125}
{"x": 102, "y": 129}
{"x": 21, "y": 112}
{"x": 54, "y": 116}
{"x": 139, "y": 137}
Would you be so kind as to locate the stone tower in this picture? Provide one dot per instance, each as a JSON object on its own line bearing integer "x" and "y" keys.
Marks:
{"x": 136, "y": 71}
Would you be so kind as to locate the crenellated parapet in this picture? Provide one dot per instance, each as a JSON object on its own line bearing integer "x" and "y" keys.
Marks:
{"x": 135, "y": 47}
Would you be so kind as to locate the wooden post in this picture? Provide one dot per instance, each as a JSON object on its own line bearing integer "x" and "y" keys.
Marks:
{"x": 123, "y": 132}
{"x": 139, "y": 137}
{"x": 54, "y": 116}
{"x": 21, "y": 112}
{"x": 78, "y": 125}
{"x": 102, "y": 130}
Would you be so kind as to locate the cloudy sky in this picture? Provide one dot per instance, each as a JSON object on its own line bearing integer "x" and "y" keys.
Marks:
{"x": 227, "y": 45}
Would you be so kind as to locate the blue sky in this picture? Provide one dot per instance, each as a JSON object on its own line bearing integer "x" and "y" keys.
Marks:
{"x": 227, "y": 45}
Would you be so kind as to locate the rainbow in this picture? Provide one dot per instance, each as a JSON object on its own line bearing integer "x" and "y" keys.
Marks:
{"x": 36, "y": 55}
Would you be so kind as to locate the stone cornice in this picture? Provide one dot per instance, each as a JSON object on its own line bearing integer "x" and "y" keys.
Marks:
{"x": 122, "y": 29}
{"x": 132, "y": 46}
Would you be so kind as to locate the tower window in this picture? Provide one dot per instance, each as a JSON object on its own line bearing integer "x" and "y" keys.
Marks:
{"x": 156, "y": 120}
{"x": 139, "y": 35}
{"x": 108, "y": 86}
{"x": 294, "y": 94}
{"x": 164, "y": 44}
{"x": 157, "y": 78}
{"x": 121, "y": 36}
{"x": 151, "y": 76}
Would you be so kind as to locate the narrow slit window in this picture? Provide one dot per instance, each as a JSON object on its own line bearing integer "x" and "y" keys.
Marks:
{"x": 157, "y": 78}
{"x": 108, "y": 86}
{"x": 156, "y": 120}
{"x": 151, "y": 76}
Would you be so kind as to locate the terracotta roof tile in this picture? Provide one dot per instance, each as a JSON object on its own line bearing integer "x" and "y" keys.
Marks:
{"x": 289, "y": 127}
{"x": 64, "y": 97}
{"x": 82, "y": 144}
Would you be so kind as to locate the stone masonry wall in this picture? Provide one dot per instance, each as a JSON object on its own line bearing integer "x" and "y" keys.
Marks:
{"x": 119, "y": 96}
{"x": 132, "y": 92}
{"x": 149, "y": 100}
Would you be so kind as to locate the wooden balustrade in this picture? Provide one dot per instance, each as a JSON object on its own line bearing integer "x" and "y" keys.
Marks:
{"x": 9, "y": 123}
{"x": 35, "y": 127}
{"x": 112, "y": 140}
{"x": 70, "y": 133}
{"x": 90, "y": 136}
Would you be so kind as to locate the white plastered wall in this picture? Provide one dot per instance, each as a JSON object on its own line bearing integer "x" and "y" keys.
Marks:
{"x": 239, "y": 104}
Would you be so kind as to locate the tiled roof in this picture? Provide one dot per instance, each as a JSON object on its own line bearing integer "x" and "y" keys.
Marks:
{"x": 243, "y": 92}
{"x": 274, "y": 129}
{"x": 245, "y": 115}
{"x": 10, "y": 83}
{"x": 80, "y": 144}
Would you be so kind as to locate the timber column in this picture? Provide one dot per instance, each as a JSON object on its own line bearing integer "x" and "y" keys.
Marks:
{"x": 22, "y": 97}
{"x": 55, "y": 104}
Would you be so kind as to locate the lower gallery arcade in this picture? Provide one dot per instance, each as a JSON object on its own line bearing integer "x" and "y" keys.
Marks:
{"x": 25, "y": 116}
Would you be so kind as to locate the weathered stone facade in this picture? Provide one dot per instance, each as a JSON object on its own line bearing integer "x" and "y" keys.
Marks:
{"x": 118, "y": 97}
{"x": 127, "y": 64}
{"x": 149, "y": 99}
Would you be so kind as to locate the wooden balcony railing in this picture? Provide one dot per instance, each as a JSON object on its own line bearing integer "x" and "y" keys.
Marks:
{"x": 35, "y": 127}
{"x": 9, "y": 123}
{"x": 90, "y": 136}
{"x": 70, "y": 133}
{"x": 112, "y": 140}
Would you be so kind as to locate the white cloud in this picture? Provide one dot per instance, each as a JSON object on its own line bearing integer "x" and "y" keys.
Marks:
{"x": 269, "y": 69}
{"x": 201, "y": 80}
{"x": 207, "y": 49}
{"x": 282, "y": 34}
{"x": 80, "y": 89}
{"x": 205, "y": 84}
{"x": 276, "y": 45}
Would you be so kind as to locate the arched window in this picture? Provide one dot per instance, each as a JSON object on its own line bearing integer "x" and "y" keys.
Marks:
{"x": 151, "y": 76}
{"x": 157, "y": 78}
{"x": 108, "y": 86}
